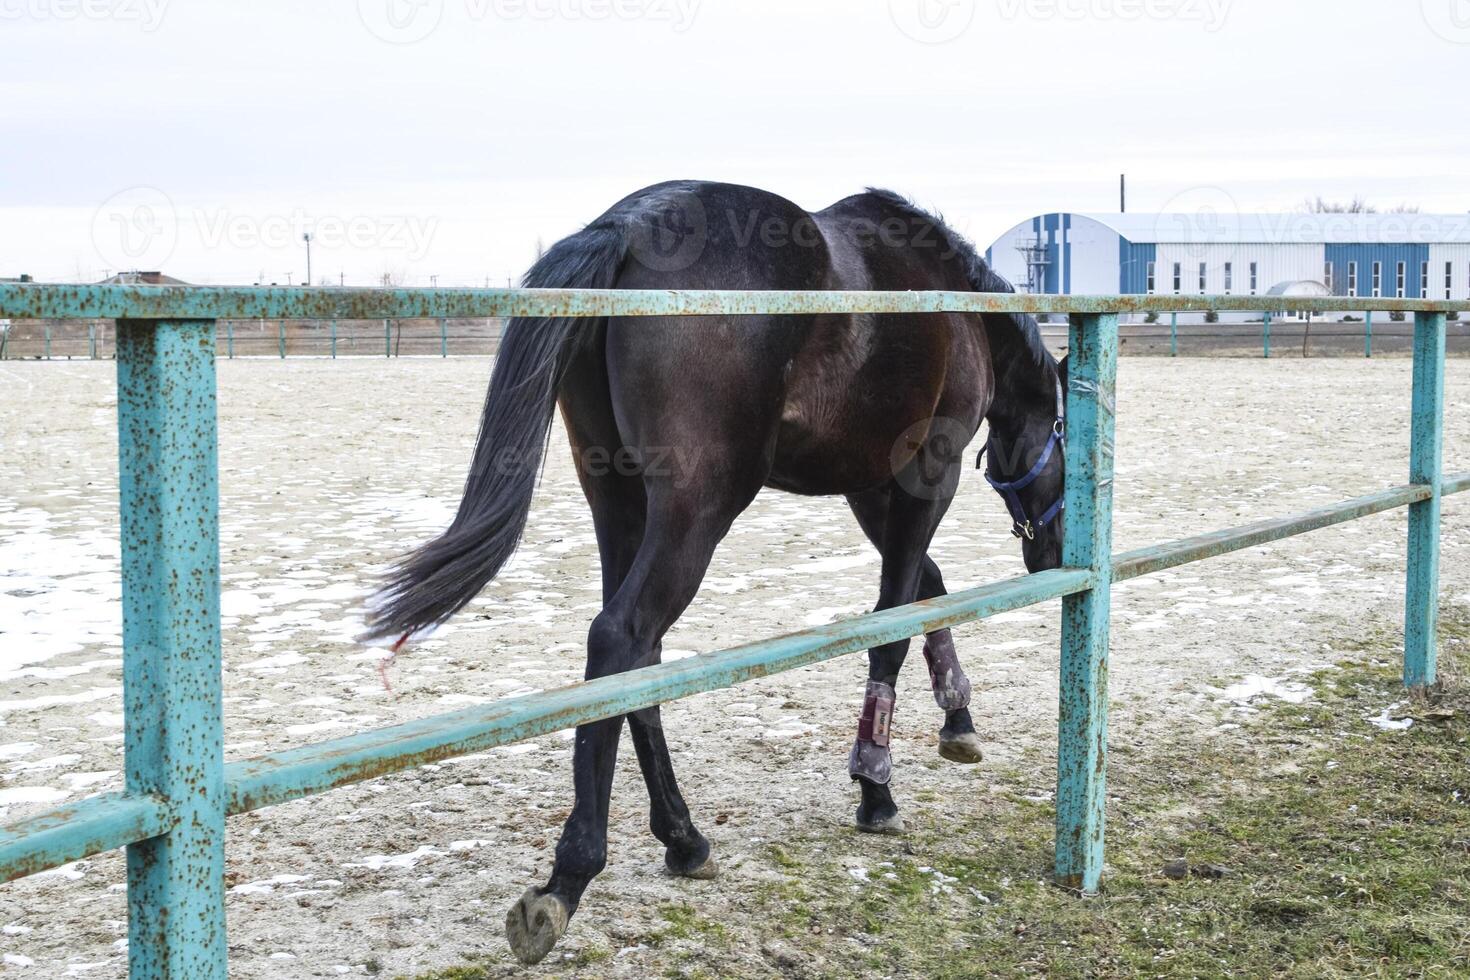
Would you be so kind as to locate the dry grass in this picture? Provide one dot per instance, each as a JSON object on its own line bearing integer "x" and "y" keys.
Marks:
{"x": 1318, "y": 845}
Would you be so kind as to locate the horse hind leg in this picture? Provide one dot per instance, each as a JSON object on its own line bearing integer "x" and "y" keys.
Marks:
{"x": 619, "y": 503}
{"x": 686, "y": 850}
{"x": 662, "y": 579}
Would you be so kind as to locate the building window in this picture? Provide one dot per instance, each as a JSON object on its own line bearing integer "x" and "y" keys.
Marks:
{"x": 1327, "y": 277}
{"x": 1178, "y": 278}
{"x": 1398, "y": 280}
{"x": 1449, "y": 278}
{"x": 1377, "y": 279}
{"x": 1229, "y": 277}
{"x": 1424, "y": 281}
{"x": 1149, "y": 279}
{"x": 1202, "y": 270}
{"x": 1253, "y": 279}
{"x": 1352, "y": 278}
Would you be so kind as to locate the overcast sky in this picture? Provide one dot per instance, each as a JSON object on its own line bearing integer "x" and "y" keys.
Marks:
{"x": 441, "y": 138}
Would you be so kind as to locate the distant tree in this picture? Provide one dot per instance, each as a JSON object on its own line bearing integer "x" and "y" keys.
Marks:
{"x": 1358, "y": 205}
{"x": 1320, "y": 205}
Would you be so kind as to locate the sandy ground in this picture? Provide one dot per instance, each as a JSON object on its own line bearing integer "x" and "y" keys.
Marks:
{"x": 331, "y": 468}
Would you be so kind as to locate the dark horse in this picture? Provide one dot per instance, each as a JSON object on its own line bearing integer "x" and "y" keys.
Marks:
{"x": 877, "y": 408}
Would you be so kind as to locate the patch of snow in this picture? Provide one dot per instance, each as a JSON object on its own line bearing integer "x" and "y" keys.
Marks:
{"x": 1385, "y": 721}
{"x": 1254, "y": 686}
{"x": 382, "y": 862}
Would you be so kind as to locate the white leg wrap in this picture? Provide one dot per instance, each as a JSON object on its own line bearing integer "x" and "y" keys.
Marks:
{"x": 946, "y": 676}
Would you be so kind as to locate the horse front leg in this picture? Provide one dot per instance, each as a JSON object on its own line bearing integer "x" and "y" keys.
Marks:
{"x": 958, "y": 741}
{"x": 907, "y": 528}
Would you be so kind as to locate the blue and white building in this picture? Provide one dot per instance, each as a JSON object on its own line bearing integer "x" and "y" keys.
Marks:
{"x": 1299, "y": 254}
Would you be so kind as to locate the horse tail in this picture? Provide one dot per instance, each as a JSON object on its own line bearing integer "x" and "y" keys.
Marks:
{"x": 433, "y": 583}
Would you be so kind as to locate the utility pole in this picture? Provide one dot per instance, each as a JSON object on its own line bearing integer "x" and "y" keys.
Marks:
{"x": 1122, "y": 193}
{"x": 306, "y": 237}
{"x": 434, "y": 282}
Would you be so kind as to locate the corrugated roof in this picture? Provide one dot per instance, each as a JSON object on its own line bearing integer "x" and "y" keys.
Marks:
{"x": 1206, "y": 226}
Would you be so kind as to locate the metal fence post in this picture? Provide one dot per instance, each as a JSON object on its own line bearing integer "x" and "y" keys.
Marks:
{"x": 1266, "y": 334}
{"x": 281, "y": 335}
{"x": 1173, "y": 334}
{"x": 1425, "y": 466}
{"x": 1088, "y": 542}
{"x": 92, "y": 340}
{"x": 387, "y": 339}
{"x": 230, "y": 338}
{"x": 334, "y": 340}
{"x": 48, "y": 341}
{"x": 443, "y": 337}
{"x": 1368, "y": 335}
{"x": 174, "y": 736}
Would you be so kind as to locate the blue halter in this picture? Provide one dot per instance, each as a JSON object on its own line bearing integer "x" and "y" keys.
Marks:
{"x": 1023, "y": 526}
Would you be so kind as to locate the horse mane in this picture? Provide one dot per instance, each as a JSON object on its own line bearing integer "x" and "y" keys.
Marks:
{"x": 978, "y": 274}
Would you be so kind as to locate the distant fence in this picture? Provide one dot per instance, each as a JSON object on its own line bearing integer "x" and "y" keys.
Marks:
{"x": 387, "y": 337}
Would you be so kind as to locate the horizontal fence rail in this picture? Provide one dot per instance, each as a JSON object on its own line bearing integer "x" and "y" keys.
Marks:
{"x": 39, "y": 301}
{"x": 179, "y": 791}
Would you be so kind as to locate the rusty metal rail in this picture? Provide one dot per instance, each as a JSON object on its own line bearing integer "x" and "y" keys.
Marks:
{"x": 178, "y": 790}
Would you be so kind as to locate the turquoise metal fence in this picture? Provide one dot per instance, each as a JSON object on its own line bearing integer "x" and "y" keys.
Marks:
{"x": 178, "y": 790}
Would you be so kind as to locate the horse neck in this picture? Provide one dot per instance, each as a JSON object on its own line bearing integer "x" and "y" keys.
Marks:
{"x": 1025, "y": 391}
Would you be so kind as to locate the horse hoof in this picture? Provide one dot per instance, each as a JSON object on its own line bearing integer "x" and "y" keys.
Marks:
{"x": 709, "y": 868}
{"x": 890, "y": 824}
{"x": 534, "y": 924}
{"x": 964, "y": 749}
